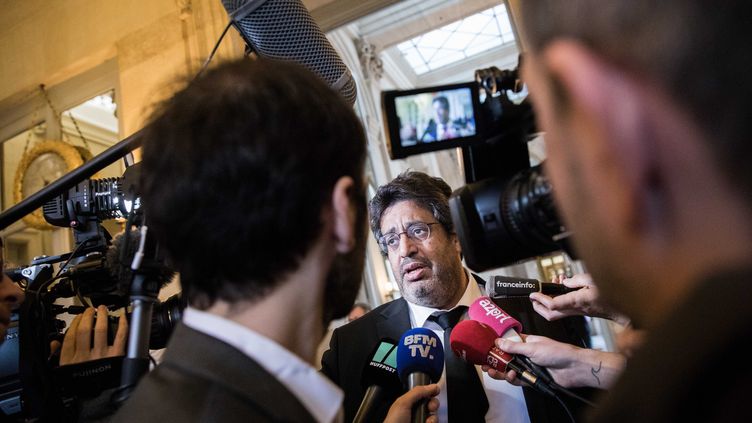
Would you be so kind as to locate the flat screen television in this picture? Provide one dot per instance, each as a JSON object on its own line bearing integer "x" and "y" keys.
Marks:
{"x": 430, "y": 119}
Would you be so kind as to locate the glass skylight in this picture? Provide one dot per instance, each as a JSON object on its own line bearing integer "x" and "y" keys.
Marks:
{"x": 458, "y": 40}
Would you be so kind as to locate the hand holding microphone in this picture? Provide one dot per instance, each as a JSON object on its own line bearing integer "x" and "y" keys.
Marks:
{"x": 570, "y": 366}
{"x": 583, "y": 299}
{"x": 473, "y": 341}
{"x": 402, "y": 409}
{"x": 420, "y": 361}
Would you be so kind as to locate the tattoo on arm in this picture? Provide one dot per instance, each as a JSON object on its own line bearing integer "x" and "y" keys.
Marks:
{"x": 595, "y": 372}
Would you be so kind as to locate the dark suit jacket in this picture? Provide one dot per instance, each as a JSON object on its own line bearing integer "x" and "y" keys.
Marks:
{"x": 351, "y": 345}
{"x": 202, "y": 379}
{"x": 431, "y": 132}
{"x": 695, "y": 366}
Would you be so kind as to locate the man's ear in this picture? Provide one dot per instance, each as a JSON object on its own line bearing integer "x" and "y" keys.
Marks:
{"x": 606, "y": 111}
{"x": 455, "y": 239}
{"x": 344, "y": 214}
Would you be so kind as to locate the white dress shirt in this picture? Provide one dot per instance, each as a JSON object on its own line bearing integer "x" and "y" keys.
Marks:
{"x": 321, "y": 397}
{"x": 506, "y": 402}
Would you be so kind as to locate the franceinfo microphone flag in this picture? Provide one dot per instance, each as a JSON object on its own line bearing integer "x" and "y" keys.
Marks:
{"x": 510, "y": 287}
{"x": 285, "y": 30}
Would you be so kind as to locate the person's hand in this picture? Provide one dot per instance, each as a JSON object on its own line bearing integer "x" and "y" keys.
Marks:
{"x": 77, "y": 345}
{"x": 401, "y": 409}
{"x": 582, "y": 302}
{"x": 570, "y": 366}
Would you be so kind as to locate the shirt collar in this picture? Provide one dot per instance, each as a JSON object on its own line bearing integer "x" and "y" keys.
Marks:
{"x": 321, "y": 397}
{"x": 419, "y": 314}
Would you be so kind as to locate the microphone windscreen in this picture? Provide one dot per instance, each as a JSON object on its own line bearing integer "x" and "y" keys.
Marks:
{"x": 420, "y": 351}
{"x": 119, "y": 265}
{"x": 285, "y": 30}
{"x": 471, "y": 340}
{"x": 381, "y": 369}
{"x": 486, "y": 311}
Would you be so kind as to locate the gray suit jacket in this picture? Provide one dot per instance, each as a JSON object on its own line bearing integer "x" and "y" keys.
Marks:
{"x": 202, "y": 379}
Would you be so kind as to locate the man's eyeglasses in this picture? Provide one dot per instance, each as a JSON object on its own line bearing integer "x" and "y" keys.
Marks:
{"x": 417, "y": 231}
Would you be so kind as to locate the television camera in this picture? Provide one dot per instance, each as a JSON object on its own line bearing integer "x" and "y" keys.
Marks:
{"x": 506, "y": 212}
{"x": 99, "y": 271}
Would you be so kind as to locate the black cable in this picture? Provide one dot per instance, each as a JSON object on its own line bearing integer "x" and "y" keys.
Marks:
{"x": 62, "y": 266}
{"x": 543, "y": 374}
{"x": 571, "y": 394}
{"x": 564, "y": 405}
{"x": 214, "y": 50}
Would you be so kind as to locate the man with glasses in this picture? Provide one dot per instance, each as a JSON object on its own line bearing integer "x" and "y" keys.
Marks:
{"x": 411, "y": 220}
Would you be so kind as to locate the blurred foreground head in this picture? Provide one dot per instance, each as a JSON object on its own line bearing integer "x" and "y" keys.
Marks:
{"x": 647, "y": 108}
{"x": 239, "y": 170}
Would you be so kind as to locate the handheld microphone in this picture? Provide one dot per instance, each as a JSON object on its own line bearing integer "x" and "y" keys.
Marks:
{"x": 420, "y": 361}
{"x": 285, "y": 30}
{"x": 486, "y": 311}
{"x": 473, "y": 342}
{"x": 510, "y": 287}
{"x": 379, "y": 378}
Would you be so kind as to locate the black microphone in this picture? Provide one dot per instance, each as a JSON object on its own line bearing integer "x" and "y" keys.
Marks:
{"x": 507, "y": 287}
{"x": 120, "y": 256}
{"x": 285, "y": 30}
{"x": 380, "y": 380}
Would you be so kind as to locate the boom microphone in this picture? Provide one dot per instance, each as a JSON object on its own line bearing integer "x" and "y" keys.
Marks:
{"x": 420, "y": 361}
{"x": 473, "y": 341}
{"x": 119, "y": 257}
{"x": 285, "y": 30}
{"x": 506, "y": 287}
{"x": 380, "y": 380}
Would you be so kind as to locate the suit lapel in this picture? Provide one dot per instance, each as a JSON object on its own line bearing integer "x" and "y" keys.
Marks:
{"x": 395, "y": 320}
{"x": 208, "y": 358}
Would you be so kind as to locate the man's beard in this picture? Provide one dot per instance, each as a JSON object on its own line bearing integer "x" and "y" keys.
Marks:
{"x": 440, "y": 292}
{"x": 345, "y": 276}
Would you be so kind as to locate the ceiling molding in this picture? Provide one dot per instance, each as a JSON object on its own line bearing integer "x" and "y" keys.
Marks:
{"x": 415, "y": 17}
{"x": 337, "y": 13}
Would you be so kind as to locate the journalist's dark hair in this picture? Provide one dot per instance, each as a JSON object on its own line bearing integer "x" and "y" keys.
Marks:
{"x": 698, "y": 50}
{"x": 237, "y": 168}
{"x": 427, "y": 191}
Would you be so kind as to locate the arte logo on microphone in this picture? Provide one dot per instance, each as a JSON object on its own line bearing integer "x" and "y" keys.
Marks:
{"x": 493, "y": 310}
{"x": 420, "y": 345}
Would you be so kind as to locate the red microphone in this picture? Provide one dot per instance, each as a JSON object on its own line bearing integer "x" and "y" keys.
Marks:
{"x": 473, "y": 342}
{"x": 485, "y": 311}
